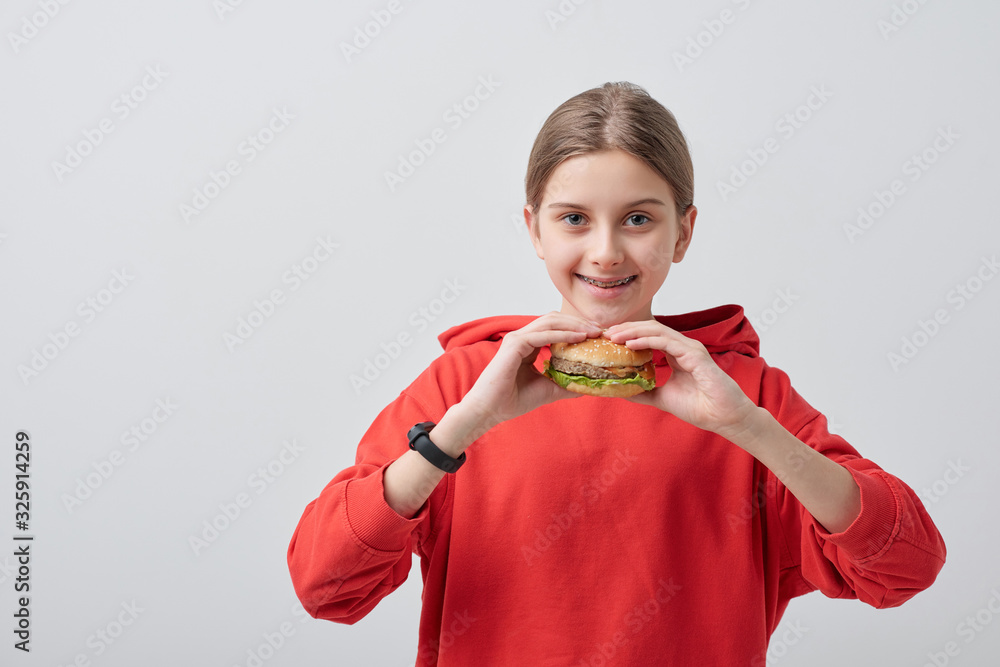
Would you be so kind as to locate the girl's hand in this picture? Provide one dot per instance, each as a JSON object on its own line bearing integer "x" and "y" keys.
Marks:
{"x": 510, "y": 386}
{"x": 698, "y": 391}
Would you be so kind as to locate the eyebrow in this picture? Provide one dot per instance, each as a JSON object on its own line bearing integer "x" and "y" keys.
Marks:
{"x": 647, "y": 200}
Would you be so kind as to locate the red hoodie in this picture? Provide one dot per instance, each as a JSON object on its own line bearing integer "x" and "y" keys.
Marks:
{"x": 598, "y": 531}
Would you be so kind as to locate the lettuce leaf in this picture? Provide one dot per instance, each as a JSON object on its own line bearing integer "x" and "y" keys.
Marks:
{"x": 563, "y": 379}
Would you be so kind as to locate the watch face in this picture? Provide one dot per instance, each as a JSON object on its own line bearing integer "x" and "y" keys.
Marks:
{"x": 429, "y": 450}
{"x": 418, "y": 429}
{"x": 422, "y": 427}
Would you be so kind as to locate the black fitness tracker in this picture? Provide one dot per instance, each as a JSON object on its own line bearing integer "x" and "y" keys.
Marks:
{"x": 421, "y": 442}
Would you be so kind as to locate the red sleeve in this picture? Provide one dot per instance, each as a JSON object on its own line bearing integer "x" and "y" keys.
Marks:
{"x": 350, "y": 549}
{"x": 891, "y": 551}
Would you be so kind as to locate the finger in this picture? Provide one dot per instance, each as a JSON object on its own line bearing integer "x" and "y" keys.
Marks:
{"x": 539, "y": 339}
{"x": 663, "y": 338}
{"x": 622, "y": 337}
{"x": 660, "y": 343}
{"x": 643, "y": 398}
{"x": 647, "y": 343}
{"x": 645, "y": 326}
{"x": 621, "y": 332}
{"x": 527, "y": 344}
{"x": 558, "y": 325}
{"x": 680, "y": 355}
{"x": 644, "y": 323}
{"x": 558, "y": 320}
{"x": 562, "y": 392}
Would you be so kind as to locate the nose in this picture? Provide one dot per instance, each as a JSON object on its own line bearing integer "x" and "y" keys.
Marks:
{"x": 606, "y": 247}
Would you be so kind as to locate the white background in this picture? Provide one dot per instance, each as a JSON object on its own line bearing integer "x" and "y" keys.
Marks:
{"x": 63, "y": 235}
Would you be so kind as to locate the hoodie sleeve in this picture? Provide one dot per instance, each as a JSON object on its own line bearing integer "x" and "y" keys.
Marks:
{"x": 350, "y": 548}
{"x": 891, "y": 551}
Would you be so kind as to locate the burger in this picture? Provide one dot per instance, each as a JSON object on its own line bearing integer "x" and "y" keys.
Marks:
{"x": 599, "y": 367}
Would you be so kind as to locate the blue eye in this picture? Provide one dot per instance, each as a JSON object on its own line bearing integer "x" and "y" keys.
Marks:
{"x": 578, "y": 221}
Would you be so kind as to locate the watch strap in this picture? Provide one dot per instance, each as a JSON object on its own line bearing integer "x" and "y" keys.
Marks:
{"x": 421, "y": 442}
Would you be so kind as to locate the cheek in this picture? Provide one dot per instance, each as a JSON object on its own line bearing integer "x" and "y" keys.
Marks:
{"x": 560, "y": 256}
{"x": 658, "y": 257}
{"x": 556, "y": 265}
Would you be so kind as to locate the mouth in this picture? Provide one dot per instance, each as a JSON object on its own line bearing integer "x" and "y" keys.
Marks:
{"x": 606, "y": 283}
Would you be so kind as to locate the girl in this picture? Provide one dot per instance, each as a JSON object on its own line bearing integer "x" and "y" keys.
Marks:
{"x": 672, "y": 527}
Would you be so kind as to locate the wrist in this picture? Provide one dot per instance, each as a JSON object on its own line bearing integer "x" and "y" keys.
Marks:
{"x": 748, "y": 427}
{"x": 459, "y": 427}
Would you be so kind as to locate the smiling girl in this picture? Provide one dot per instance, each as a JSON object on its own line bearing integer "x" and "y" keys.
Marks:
{"x": 672, "y": 527}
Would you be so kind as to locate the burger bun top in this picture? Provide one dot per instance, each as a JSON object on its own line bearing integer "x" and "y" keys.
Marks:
{"x": 601, "y": 352}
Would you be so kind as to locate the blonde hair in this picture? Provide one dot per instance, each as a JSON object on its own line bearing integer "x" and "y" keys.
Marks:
{"x": 615, "y": 115}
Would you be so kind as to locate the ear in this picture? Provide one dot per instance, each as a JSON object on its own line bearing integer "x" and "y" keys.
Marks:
{"x": 533, "y": 232}
{"x": 687, "y": 230}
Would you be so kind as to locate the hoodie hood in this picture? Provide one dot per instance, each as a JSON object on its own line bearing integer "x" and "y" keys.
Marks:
{"x": 720, "y": 329}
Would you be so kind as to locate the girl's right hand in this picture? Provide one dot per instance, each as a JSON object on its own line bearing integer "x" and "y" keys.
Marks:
{"x": 510, "y": 386}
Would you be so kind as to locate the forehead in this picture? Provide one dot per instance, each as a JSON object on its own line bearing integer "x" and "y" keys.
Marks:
{"x": 607, "y": 177}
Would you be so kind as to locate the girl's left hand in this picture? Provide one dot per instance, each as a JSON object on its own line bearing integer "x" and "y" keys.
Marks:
{"x": 698, "y": 391}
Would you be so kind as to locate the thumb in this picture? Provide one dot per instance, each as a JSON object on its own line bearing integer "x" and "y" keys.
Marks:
{"x": 645, "y": 398}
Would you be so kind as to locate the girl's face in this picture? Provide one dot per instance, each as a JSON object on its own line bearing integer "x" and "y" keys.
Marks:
{"x": 608, "y": 231}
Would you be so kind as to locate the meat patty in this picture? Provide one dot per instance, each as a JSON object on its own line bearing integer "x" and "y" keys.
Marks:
{"x": 580, "y": 368}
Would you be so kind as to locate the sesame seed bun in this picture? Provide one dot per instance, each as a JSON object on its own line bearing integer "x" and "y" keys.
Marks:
{"x": 598, "y": 367}
{"x": 601, "y": 352}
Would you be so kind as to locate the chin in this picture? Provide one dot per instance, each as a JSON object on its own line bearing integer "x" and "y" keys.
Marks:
{"x": 611, "y": 315}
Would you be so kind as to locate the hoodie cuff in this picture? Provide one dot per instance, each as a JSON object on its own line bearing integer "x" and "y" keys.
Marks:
{"x": 373, "y": 522}
{"x": 872, "y": 532}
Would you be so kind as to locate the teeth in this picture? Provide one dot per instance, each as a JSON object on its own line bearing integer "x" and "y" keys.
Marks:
{"x": 611, "y": 284}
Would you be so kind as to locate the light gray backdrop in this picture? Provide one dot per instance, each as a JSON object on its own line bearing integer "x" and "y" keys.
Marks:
{"x": 168, "y": 167}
